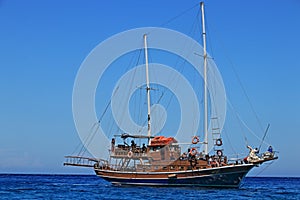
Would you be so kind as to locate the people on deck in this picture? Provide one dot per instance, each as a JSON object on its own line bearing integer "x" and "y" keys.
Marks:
{"x": 113, "y": 141}
{"x": 269, "y": 153}
{"x": 133, "y": 145}
{"x": 144, "y": 148}
{"x": 270, "y": 149}
{"x": 253, "y": 154}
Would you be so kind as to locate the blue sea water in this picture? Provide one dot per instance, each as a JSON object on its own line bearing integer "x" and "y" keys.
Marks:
{"x": 13, "y": 186}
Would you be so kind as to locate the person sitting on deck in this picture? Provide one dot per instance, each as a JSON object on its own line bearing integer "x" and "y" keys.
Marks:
{"x": 270, "y": 149}
{"x": 209, "y": 161}
{"x": 192, "y": 158}
{"x": 215, "y": 162}
{"x": 269, "y": 153}
{"x": 183, "y": 156}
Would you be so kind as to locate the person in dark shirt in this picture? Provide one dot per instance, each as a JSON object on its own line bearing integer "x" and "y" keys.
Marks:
{"x": 144, "y": 148}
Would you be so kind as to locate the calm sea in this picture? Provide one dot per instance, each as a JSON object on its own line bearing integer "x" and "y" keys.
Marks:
{"x": 92, "y": 187}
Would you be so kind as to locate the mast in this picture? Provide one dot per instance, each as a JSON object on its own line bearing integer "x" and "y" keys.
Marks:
{"x": 205, "y": 80}
{"x": 147, "y": 82}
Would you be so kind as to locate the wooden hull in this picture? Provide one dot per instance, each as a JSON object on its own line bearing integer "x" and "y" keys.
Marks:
{"x": 226, "y": 176}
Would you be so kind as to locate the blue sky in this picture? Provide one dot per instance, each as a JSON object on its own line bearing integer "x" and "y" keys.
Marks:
{"x": 43, "y": 43}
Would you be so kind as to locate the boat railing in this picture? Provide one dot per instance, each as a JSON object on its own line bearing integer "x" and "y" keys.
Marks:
{"x": 126, "y": 151}
{"x": 80, "y": 161}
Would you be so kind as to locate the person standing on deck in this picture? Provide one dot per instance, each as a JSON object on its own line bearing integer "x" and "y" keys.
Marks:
{"x": 253, "y": 154}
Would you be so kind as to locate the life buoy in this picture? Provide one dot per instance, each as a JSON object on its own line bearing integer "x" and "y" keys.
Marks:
{"x": 195, "y": 140}
{"x": 130, "y": 154}
{"x": 219, "y": 153}
{"x": 193, "y": 151}
{"x": 219, "y": 142}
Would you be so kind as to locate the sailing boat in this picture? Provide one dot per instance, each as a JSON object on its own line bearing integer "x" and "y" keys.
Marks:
{"x": 162, "y": 162}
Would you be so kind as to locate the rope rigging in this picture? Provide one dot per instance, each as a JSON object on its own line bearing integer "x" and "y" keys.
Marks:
{"x": 179, "y": 15}
{"x": 181, "y": 67}
{"x": 232, "y": 66}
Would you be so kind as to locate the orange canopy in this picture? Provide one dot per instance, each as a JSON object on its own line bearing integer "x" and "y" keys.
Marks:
{"x": 162, "y": 141}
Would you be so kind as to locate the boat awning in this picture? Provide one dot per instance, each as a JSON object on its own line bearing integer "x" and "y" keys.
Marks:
{"x": 127, "y": 135}
{"x": 162, "y": 141}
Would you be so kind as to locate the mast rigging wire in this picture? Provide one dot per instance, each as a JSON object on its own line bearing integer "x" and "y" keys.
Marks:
{"x": 264, "y": 136}
{"x": 179, "y": 15}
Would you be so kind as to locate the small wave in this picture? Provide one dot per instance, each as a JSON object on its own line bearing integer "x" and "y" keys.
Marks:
{"x": 81, "y": 184}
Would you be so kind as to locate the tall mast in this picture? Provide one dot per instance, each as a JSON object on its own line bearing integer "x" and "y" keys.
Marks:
{"x": 147, "y": 82}
{"x": 205, "y": 81}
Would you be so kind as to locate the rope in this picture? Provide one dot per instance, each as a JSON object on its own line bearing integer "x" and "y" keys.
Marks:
{"x": 264, "y": 136}
{"x": 179, "y": 15}
{"x": 239, "y": 120}
{"x": 80, "y": 143}
{"x": 83, "y": 149}
{"x": 245, "y": 125}
{"x": 89, "y": 138}
{"x": 263, "y": 169}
